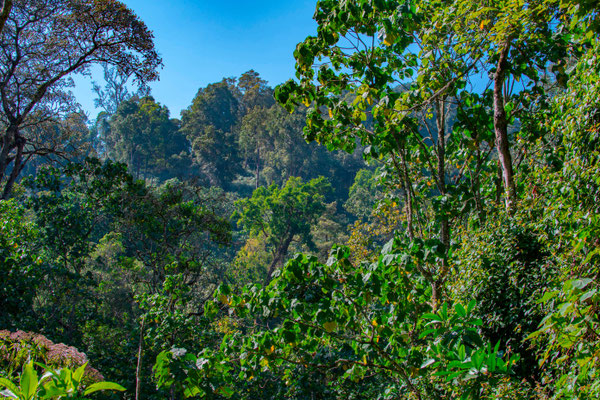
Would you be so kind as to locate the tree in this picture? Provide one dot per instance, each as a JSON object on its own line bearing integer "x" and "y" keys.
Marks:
{"x": 281, "y": 214}
{"x": 516, "y": 43}
{"x": 107, "y": 240}
{"x": 358, "y": 327}
{"x": 254, "y": 91}
{"x": 142, "y": 135}
{"x": 67, "y": 137}
{"x": 19, "y": 264}
{"x": 43, "y": 43}
{"x": 114, "y": 92}
{"x": 254, "y": 139}
{"x": 209, "y": 124}
{"x": 285, "y": 153}
{"x": 363, "y": 91}
{"x": 364, "y": 194}
{"x": 397, "y": 75}
{"x": 436, "y": 137}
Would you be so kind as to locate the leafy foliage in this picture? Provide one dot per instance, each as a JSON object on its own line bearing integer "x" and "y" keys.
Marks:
{"x": 280, "y": 214}
{"x": 53, "y": 384}
{"x": 471, "y": 263}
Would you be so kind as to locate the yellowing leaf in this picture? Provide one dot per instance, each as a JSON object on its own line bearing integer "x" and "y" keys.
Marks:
{"x": 330, "y": 326}
{"x": 389, "y": 39}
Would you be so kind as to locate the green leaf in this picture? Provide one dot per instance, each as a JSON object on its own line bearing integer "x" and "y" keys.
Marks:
{"x": 471, "y": 306}
{"x": 547, "y": 296}
{"x": 462, "y": 354}
{"x": 427, "y": 332}
{"x": 78, "y": 374}
{"x": 29, "y": 381}
{"x": 431, "y": 316}
{"x": 581, "y": 283}
{"x": 588, "y": 294}
{"x": 12, "y": 388}
{"x": 95, "y": 387}
{"x": 460, "y": 310}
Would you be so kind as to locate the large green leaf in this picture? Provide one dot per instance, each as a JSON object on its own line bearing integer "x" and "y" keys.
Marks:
{"x": 29, "y": 381}
{"x": 95, "y": 387}
{"x": 12, "y": 389}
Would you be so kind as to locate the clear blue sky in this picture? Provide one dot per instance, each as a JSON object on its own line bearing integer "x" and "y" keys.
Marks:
{"x": 203, "y": 41}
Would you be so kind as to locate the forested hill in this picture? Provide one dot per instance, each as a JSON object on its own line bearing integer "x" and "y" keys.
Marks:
{"x": 415, "y": 215}
{"x": 233, "y": 136}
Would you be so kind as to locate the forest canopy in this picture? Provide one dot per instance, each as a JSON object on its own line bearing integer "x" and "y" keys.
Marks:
{"x": 413, "y": 215}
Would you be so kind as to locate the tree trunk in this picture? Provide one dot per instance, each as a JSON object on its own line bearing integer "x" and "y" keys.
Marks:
{"x": 501, "y": 131}
{"x": 17, "y": 168}
{"x": 5, "y": 7}
{"x": 438, "y": 284}
{"x": 476, "y": 187}
{"x": 8, "y": 144}
{"x": 441, "y": 168}
{"x": 280, "y": 252}
{"x": 257, "y": 166}
{"x": 406, "y": 187}
{"x": 138, "y": 369}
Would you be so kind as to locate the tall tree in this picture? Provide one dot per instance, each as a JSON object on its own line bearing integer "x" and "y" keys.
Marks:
{"x": 43, "y": 42}
{"x": 115, "y": 90}
{"x": 516, "y": 43}
{"x": 254, "y": 139}
{"x": 142, "y": 135}
{"x": 364, "y": 92}
{"x": 210, "y": 126}
{"x": 282, "y": 214}
{"x": 254, "y": 91}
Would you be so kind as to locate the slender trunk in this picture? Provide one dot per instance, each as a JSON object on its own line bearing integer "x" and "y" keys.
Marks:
{"x": 8, "y": 144}
{"x": 257, "y": 166}
{"x": 501, "y": 131}
{"x": 498, "y": 182}
{"x": 138, "y": 369}
{"x": 438, "y": 284}
{"x": 280, "y": 252}
{"x": 17, "y": 168}
{"x": 441, "y": 169}
{"x": 406, "y": 186}
{"x": 5, "y": 8}
{"x": 476, "y": 187}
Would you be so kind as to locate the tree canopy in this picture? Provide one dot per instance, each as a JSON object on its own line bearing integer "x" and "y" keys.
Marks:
{"x": 43, "y": 43}
{"x": 416, "y": 215}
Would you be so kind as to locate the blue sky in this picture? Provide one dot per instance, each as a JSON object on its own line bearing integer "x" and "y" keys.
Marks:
{"x": 203, "y": 41}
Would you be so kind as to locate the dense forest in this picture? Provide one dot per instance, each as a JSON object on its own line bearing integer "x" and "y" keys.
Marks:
{"x": 414, "y": 215}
